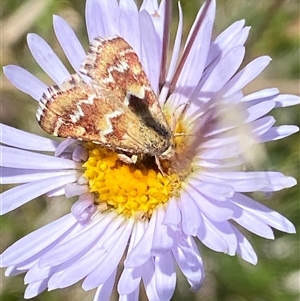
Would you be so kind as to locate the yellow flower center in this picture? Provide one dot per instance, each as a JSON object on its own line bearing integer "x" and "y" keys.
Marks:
{"x": 130, "y": 189}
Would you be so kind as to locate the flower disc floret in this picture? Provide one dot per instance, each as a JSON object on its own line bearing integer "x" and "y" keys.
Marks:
{"x": 130, "y": 189}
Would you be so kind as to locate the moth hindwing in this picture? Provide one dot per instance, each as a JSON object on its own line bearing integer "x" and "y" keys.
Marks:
{"x": 117, "y": 108}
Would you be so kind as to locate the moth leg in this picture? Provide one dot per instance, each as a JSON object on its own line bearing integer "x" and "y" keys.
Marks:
{"x": 159, "y": 166}
{"x": 128, "y": 160}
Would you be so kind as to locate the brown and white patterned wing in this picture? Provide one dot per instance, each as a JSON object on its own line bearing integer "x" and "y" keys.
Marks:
{"x": 87, "y": 112}
{"x": 114, "y": 65}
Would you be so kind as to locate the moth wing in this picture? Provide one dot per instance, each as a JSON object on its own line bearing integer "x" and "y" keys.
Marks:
{"x": 90, "y": 113}
{"x": 114, "y": 65}
{"x": 78, "y": 110}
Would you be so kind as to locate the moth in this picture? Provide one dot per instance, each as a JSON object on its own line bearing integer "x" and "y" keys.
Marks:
{"x": 115, "y": 108}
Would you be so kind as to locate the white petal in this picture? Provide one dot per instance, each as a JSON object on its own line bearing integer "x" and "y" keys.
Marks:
{"x": 21, "y": 139}
{"x": 104, "y": 290}
{"x": 151, "y": 45}
{"x": 218, "y": 236}
{"x": 14, "y": 175}
{"x": 262, "y": 94}
{"x": 69, "y": 42}
{"x": 19, "y": 195}
{"x": 25, "y": 81}
{"x": 165, "y": 275}
{"x": 129, "y": 24}
{"x": 279, "y": 132}
{"x": 36, "y": 241}
{"x": 174, "y": 58}
{"x": 224, "y": 39}
{"x": 71, "y": 272}
{"x": 194, "y": 272}
{"x": 162, "y": 238}
{"x": 191, "y": 218}
{"x": 16, "y": 158}
{"x": 253, "y": 224}
{"x": 141, "y": 252}
{"x": 33, "y": 289}
{"x": 244, "y": 248}
{"x": 75, "y": 245}
{"x": 173, "y": 216}
{"x": 286, "y": 100}
{"x": 269, "y": 216}
{"x": 250, "y": 181}
{"x": 114, "y": 254}
{"x": 94, "y": 20}
{"x": 246, "y": 75}
{"x": 47, "y": 59}
{"x": 149, "y": 281}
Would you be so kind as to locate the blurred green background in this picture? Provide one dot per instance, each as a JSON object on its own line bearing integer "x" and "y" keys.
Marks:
{"x": 275, "y": 31}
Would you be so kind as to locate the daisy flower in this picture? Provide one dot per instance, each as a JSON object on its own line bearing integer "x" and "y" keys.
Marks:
{"x": 138, "y": 216}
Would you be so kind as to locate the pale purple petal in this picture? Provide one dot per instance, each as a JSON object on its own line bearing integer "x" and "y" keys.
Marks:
{"x": 141, "y": 252}
{"x": 16, "y": 158}
{"x": 220, "y": 75}
{"x": 218, "y": 51}
{"x": 193, "y": 270}
{"x": 69, "y": 42}
{"x": 56, "y": 192}
{"x": 12, "y": 271}
{"x": 110, "y": 12}
{"x": 37, "y": 241}
{"x": 250, "y": 181}
{"x": 150, "y": 281}
{"x": 286, "y": 100}
{"x": 253, "y": 224}
{"x": 33, "y": 289}
{"x": 47, "y": 59}
{"x": 244, "y": 248}
{"x": 36, "y": 273}
{"x": 94, "y": 21}
{"x": 264, "y": 213}
{"x": 150, "y": 43}
{"x": 129, "y": 24}
{"x": 134, "y": 296}
{"x": 20, "y": 195}
{"x": 279, "y": 132}
{"x": 104, "y": 290}
{"x": 150, "y": 5}
{"x": 224, "y": 40}
{"x": 15, "y": 175}
{"x": 214, "y": 210}
{"x": 190, "y": 75}
{"x": 63, "y": 146}
{"x": 174, "y": 58}
{"x": 84, "y": 208}
{"x": 101, "y": 18}
{"x": 265, "y": 94}
{"x": 191, "y": 218}
{"x": 162, "y": 239}
{"x": 21, "y": 139}
{"x": 165, "y": 275}
{"x": 74, "y": 189}
{"x": 173, "y": 215}
{"x": 258, "y": 111}
{"x": 80, "y": 266}
{"x": 217, "y": 236}
{"x": 115, "y": 249}
{"x": 246, "y": 75}
{"x": 194, "y": 66}
{"x": 25, "y": 81}
{"x": 130, "y": 280}
{"x": 75, "y": 245}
